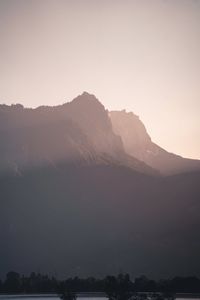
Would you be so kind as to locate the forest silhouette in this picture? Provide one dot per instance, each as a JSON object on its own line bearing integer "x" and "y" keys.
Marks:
{"x": 120, "y": 286}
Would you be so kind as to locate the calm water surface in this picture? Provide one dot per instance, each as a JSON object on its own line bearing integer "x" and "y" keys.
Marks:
{"x": 42, "y": 297}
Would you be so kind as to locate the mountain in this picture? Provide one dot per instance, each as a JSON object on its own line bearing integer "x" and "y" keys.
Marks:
{"x": 78, "y": 132}
{"x": 75, "y": 203}
{"x": 138, "y": 144}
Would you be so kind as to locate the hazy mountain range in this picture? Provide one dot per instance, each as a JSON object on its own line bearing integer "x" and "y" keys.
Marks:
{"x": 83, "y": 192}
{"x": 138, "y": 143}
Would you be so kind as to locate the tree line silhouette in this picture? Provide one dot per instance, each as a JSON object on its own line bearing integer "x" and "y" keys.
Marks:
{"x": 113, "y": 286}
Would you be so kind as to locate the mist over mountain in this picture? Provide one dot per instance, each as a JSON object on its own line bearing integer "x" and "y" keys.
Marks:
{"x": 138, "y": 144}
{"x": 79, "y": 197}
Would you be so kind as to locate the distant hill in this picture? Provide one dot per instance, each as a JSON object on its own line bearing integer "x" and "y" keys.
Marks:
{"x": 138, "y": 144}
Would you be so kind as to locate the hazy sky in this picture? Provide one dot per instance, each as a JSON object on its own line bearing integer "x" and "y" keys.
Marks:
{"x": 142, "y": 55}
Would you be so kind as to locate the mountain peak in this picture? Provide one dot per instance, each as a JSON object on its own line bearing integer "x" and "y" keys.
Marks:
{"x": 87, "y": 101}
{"x": 87, "y": 94}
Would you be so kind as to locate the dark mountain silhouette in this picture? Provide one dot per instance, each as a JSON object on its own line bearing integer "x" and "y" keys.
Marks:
{"x": 138, "y": 143}
{"x": 98, "y": 220}
{"x": 74, "y": 203}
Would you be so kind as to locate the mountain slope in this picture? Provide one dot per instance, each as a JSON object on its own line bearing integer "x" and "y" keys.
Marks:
{"x": 138, "y": 144}
{"x": 98, "y": 220}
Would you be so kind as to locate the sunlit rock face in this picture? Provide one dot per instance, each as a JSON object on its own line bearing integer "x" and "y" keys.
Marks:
{"x": 138, "y": 144}
{"x": 135, "y": 138}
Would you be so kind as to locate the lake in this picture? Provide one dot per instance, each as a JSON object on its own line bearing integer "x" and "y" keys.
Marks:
{"x": 46, "y": 297}
{"x": 55, "y": 297}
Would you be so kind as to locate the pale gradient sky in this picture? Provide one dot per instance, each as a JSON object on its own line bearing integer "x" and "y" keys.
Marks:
{"x": 141, "y": 55}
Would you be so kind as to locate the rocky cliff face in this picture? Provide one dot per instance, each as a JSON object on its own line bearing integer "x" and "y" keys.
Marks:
{"x": 129, "y": 127}
{"x": 138, "y": 144}
{"x": 90, "y": 115}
